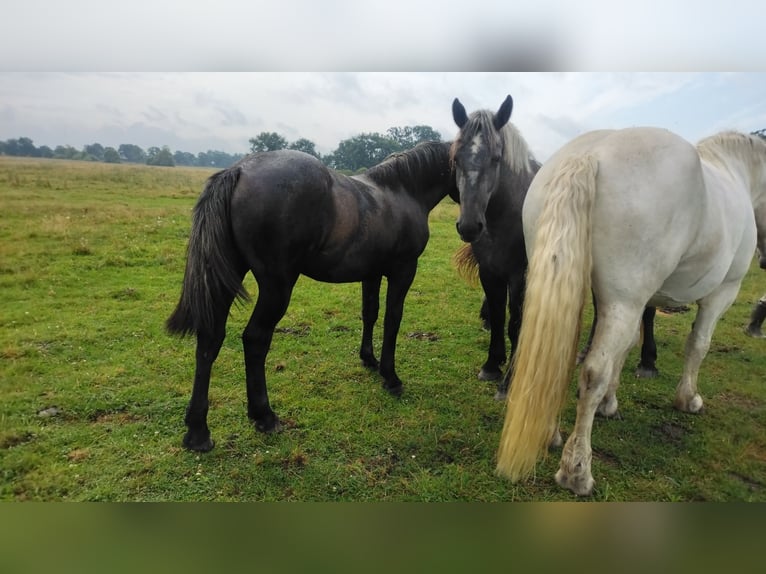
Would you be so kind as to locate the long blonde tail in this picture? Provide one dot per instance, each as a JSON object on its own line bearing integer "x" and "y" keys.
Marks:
{"x": 558, "y": 283}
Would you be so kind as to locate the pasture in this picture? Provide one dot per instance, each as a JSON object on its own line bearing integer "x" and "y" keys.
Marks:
{"x": 93, "y": 391}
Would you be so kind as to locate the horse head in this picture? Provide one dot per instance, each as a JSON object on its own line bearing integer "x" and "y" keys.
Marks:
{"x": 477, "y": 153}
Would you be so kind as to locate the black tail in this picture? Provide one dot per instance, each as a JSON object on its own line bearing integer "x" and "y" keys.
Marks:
{"x": 212, "y": 277}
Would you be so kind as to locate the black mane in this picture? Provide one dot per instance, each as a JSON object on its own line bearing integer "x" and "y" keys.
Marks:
{"x": 423, "y": 165}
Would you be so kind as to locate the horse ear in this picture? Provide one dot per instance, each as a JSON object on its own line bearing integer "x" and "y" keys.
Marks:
{"x": 503, "y": 114}
{"x": 458, "y": 113}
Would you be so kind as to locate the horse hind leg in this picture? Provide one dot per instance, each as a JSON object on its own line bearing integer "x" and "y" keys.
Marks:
{"x": 598, "y": 381}
{"x": 197, "y": 437}
{"x": 757, "y": 317}
{"x": 273, "y": 299}
{"x": 698, "y": 343}
{"x": 647, "y": 365}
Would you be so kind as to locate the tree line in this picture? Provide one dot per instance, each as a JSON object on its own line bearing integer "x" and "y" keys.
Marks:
{"x": 353, "y": 154}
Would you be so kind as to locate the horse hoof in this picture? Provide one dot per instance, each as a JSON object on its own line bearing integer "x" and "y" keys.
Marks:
{"x": 694, "y": 406}
{"x": 646, "y": 372}
{"x": 490, "y": 374}
{"x": 197, "y": 445}
{"x": 501, "y": 395}
{"x": 394, "y": 390}
{"x": 268, "y": 426}
{"x": 755, "y": 333}
{"x": 581, "y": 485}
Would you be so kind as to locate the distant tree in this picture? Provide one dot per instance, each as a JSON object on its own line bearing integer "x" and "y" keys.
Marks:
{"x": 132, "y": 153}
{"x": 111, "y": 155}
{"x": 219, "y": 159}
{"x": 12, "y": 147}
{"x": 161, "y": 157}
{"x": 760, "y": 133}
{"x": 267, "y": 141}
{"x": 27, "y": 148}
{"x": 410, "y": 136}
{"x": 95, "y": 150}
{"x": 66, "y": 152}
{"x": 306, "y": 146}
{"x": 184, "y": 158}
{"x": 45, "y": 151}
{"x": 362, "y": 151}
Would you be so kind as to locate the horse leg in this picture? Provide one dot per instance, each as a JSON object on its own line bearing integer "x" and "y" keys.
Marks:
{"x": 398, "y": 285}
{"x": 647, "y": 368}
{"x": 757, "y": 316}
{"x": 698, "y": 342}
{"x": 197, "y": 435}
{"x": 599, "y": 377}
{"x": 209, "y": 344}
{"x": 370, "y": 308}
{"x": 495, "y": 291}
{"x": 584, "y": 352}
{"x": 484, "y": 314}
{"x": 273, "y": 298}
{"x": 515, "y": 307}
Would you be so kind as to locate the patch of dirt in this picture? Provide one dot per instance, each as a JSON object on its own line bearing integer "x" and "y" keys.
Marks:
{"x": 340, "y": 329}
{"x": 606, "y": 457}
{"x": 300, "y": 330}
{"x": 672, "y": 432}
{"x": 423, "y": 336}
{"x": 120, "y": 416}
{"x": 753, "y": 484}
{"x": 739, "y": 401}
{"x": 15, "y": 439}
{"x": 78, "y": 454}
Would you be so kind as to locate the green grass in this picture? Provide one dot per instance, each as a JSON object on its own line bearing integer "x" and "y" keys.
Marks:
{"x": 93, "y": 391}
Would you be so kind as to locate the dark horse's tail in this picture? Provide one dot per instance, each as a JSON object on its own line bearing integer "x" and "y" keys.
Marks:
{"x": 212, "y": 278}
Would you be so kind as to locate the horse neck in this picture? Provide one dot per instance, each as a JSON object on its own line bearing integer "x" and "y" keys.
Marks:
{"x": 513, "y": 186}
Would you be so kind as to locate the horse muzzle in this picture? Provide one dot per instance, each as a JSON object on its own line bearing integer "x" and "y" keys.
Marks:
{"x": 469, "y": 232}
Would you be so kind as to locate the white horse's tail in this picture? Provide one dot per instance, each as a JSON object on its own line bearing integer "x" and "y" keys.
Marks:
{"x": 558, "y": 284}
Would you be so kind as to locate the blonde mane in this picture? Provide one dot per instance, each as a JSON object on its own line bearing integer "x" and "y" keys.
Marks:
{"x": 720, "y": 149}
{"x": 517, "y": 155}
{"x": 516, "y": 152}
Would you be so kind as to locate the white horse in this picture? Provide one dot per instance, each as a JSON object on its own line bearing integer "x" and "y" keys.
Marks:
{"x": 644, "y": 218}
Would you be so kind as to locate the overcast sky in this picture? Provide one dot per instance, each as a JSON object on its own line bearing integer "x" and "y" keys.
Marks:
{"x": 201, "y": 111}
{"x": 219, "y": 108}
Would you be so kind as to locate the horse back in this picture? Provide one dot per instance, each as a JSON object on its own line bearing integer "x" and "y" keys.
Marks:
{"x": 657, "y": 227}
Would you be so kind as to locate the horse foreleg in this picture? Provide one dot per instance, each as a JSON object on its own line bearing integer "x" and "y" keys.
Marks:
{"x": 273, "y": 298}
{"x": 495, "y": 291}
{"x": 698, "y": 342}
{"x": 370, "y": 309}
{"x": 398, "y": 285}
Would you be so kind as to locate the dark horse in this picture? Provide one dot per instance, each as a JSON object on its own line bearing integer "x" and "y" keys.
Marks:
{"x": 282, "y": 214}
{"x": 494, "y": 168}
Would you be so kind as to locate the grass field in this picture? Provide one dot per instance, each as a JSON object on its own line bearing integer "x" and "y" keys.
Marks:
{"x": 93, "y": 391}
